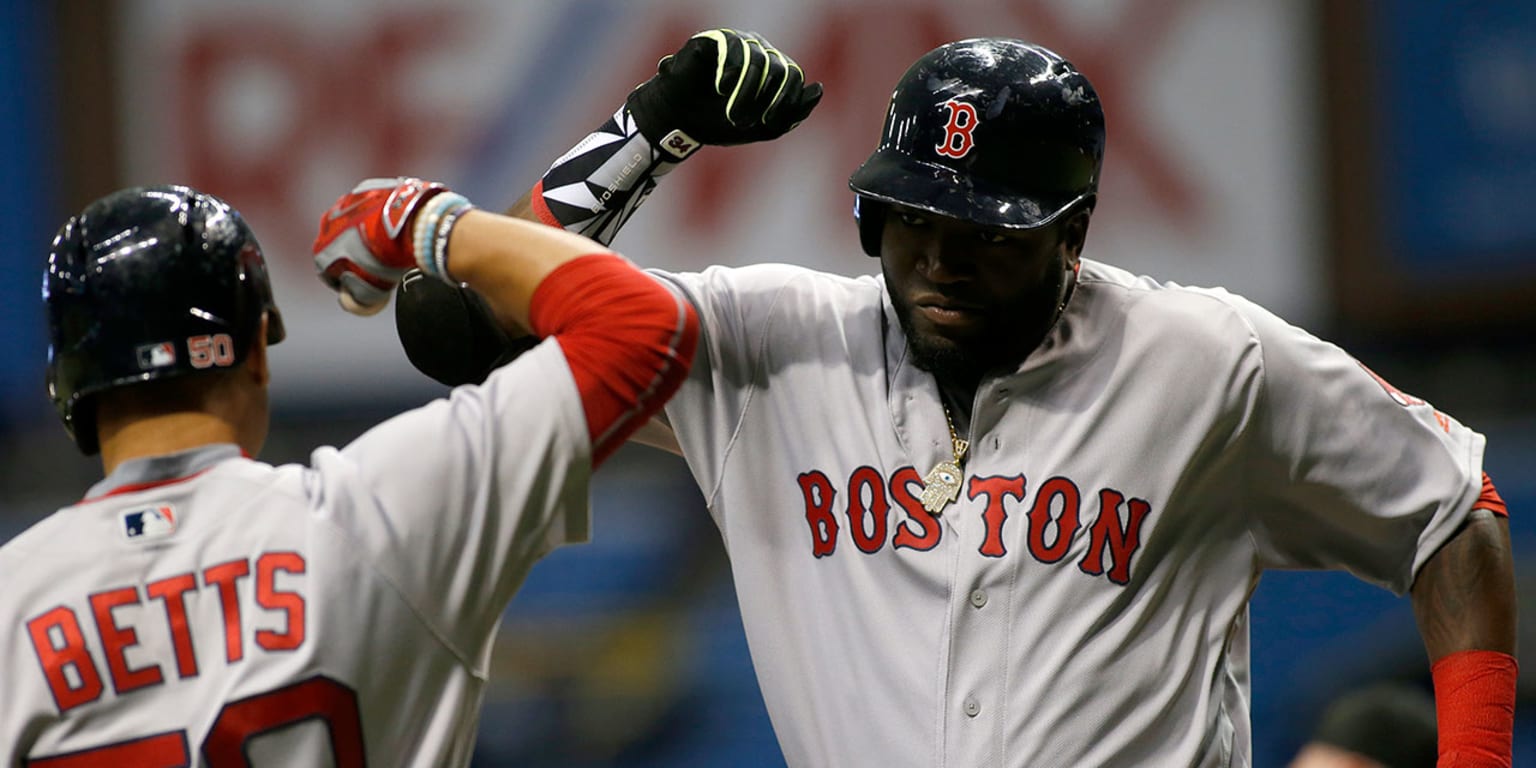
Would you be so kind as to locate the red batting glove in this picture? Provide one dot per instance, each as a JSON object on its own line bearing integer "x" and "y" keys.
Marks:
{"x": 365, "y": 242}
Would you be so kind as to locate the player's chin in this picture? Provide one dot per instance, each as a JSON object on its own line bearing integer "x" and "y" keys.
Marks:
{"x": 939, "y": 353}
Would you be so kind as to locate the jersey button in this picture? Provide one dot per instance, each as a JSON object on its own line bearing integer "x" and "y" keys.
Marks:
{"x": 972, "y": 707}
{"x": 978, "y": 598}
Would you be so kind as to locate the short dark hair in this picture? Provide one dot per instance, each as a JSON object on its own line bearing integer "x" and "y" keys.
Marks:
{"x": 1392, "y": 723}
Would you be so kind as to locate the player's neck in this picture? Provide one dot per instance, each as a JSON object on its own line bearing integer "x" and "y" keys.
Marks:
{"x": 161, "y": 434}
{"x": 960, "y": 397}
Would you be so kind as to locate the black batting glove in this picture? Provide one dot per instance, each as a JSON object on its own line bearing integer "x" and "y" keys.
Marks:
{"x": 723, "y": 87}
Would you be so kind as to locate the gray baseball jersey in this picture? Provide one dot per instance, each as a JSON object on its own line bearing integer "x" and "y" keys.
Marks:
{"x": 204, "y": 608}
{"x": 1084, "y": 602}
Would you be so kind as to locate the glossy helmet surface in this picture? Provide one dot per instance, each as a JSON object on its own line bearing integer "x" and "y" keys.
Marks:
{"x": 993, "y": 131}
{"x": 148, "y": 283}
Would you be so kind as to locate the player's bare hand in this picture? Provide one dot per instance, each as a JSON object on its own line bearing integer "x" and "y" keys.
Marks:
{"x": 369, "y": 238}
{"x": 723, "y": 87}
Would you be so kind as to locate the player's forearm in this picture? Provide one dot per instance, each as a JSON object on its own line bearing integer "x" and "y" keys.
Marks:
{"x": 1464, "y": 597}
{"x": 723, "y": 87}
{"x": 627, "y": 339}
{"x": 505, "y": 259}
{"x": 699, "y": 96}
{"x": 598, "y": 184}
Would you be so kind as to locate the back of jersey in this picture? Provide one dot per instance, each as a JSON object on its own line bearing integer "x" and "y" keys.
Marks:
{"x": 221, "y": 613}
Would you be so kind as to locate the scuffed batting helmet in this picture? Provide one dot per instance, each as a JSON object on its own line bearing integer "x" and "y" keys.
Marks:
{"x": 149, "y": 283}
{"x": 993, "y": 131}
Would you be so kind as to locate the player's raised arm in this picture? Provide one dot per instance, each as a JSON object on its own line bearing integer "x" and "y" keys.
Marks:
{"x": 628, "y": 340}
{"x": 722, "y": 87}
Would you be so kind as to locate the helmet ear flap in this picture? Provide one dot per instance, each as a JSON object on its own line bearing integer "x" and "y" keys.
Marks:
{"x": 870, "y": 214}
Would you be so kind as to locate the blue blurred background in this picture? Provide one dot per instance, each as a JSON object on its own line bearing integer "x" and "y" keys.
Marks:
{"x": 1368, "y": 170}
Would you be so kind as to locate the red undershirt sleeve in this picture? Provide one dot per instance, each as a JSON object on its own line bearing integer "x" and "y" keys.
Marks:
{"x": 1490, "y": 499}
{"x": 629, "y": 342}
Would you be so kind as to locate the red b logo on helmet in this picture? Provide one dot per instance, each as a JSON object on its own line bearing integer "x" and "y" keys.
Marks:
{"x": 958, "y": 141}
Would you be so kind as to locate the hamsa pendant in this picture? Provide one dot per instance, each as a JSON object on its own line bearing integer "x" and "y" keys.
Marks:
{"x": 940, "y": 486}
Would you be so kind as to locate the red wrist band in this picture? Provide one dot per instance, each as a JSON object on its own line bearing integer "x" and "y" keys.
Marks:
{"x": 1475, "y": 708}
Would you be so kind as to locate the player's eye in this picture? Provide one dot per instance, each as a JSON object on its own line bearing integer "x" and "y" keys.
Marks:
{"x": 912, "y": 219}
{"x": 991, "y": 237}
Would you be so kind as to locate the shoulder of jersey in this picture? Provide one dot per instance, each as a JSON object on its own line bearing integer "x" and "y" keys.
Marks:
{"x": 1184, "y": 314}
{"x": 781, "y": 280}
{"x": 31, "y": 553}
{"x": 777, "y": 273}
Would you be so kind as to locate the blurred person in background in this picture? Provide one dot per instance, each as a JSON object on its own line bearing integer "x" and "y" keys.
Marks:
{"x": 201, "y": 607}
{"x": 1387, "y": 725}
{"x": 1111, "y": 461}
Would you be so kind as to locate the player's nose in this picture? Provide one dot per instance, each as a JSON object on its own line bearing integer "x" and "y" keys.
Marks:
{"x": 947, "y": 258}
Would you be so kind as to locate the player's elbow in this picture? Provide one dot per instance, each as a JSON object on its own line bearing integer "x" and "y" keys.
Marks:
{"x": 629, "y": 339}
{"x": 657, "y": 338}
{"x": 629, "y": 358}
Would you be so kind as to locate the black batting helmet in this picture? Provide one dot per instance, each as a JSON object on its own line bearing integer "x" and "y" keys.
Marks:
{"x": 149, "y": 283}
{"x": 993, "y": 131}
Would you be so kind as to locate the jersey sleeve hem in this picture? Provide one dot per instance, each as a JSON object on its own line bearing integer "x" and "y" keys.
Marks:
{"x": 1449, "y": 519}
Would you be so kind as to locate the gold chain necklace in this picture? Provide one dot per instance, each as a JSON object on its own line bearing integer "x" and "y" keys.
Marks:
{"x": 941, "y": 485}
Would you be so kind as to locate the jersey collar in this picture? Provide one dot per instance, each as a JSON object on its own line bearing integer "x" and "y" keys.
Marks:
{"x": 153, "y": 471}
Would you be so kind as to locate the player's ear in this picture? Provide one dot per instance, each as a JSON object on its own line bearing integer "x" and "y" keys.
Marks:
{"x": 256, "y": 360}
{"x": 1074, "y": 232}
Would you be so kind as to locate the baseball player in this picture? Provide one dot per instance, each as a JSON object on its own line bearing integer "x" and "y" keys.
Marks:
{"x": 1002, "y": 504}
{"x": 201, "y": 608}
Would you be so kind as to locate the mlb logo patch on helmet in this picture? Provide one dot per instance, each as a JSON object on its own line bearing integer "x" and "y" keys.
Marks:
{"x": 157, "y": 355}
{"x": 156, "y": 521}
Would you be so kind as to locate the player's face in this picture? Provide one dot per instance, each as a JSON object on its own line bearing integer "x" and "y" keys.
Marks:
{"x": 973, "y": 298}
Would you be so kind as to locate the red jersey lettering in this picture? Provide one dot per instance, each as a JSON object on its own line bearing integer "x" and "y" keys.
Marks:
{"x": 1040, "y": 517}
{"x": 1122, "y": 541}
{"x": 59, "y": 658}
{"x": 906, "y": 537}
{"x": 290, "y": 603}
{"x": 225, "y": 577}
{"x": 818, "y": 493}
{"x": 868, "y": 537}
{"x": 172, "y": 592}
{"x": 995, "y": 488}
{"x": 115, "y": 641}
